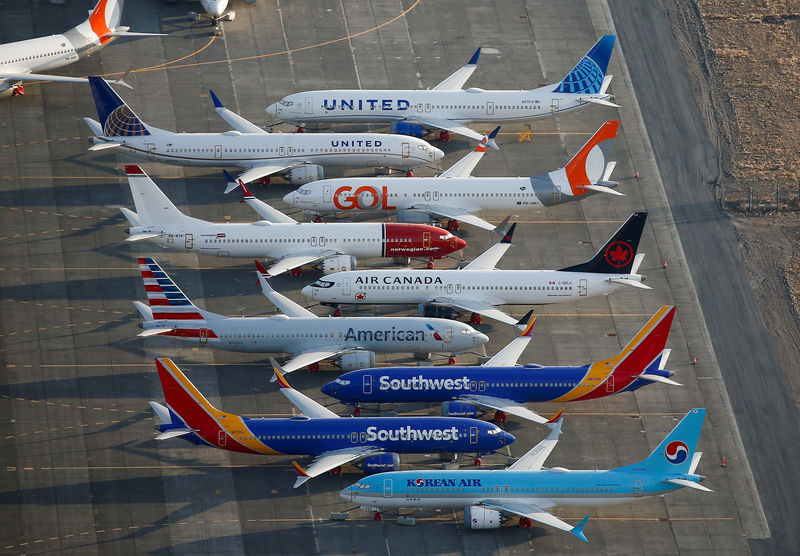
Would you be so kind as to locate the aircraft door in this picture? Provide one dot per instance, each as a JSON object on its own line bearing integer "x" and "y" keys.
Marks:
{"x": 289, "y": 151}
{"x": 387, "y": 488}
{"x": 473, "y": 386}
{"x": 222, "y": 438}
{"x": 313, "y": 241}
{"x": 322, "y": 241}
{"x": 203, "y": 335}
{"x": 449, "y": 288}
{"x": 309, "y": 105}
{"x": 354, "y": 437}
{"x": 448, "y": 334}
{"x": 326, "y": 193}
{"x": 217, "y": 151}
{"x": 366, "y": 384}
{"x": 345, "y": 286}
{"x": 436, "y": 195}
{"x": 419, "y": 107}
{"x": 427, "y": 195}
{"x": 490, "y": 108}
{"x": 459, "y": 287}
{"x": 426, "y": 240}
{"x": 473, "y": 435}
{"x": 482, "y": 386}
{"x": 151, "y": 150}
{"x": 557, "y": 194}
{"x": 554, "y": 105}
{"x": 610, "y": 384}
{"x": 638, "y": 488}
{"x": 188, "y": 241}
{"x": 582, "y": 287}
{"x": 427, "y": 107}
{"x": 282, "y": 151}
{"x": 406, "y": 150}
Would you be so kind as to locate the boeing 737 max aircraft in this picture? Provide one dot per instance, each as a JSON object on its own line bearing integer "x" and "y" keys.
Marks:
{"x": 448, "y": 107}
{"x": 24, "y": 60}
{"x": 298, "y": 156}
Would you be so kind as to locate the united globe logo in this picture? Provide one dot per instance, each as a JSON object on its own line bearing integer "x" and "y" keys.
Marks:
{"x": 676, "y": 452}
{"x": 586, "y": 77}
{"x": 123, "y": 123}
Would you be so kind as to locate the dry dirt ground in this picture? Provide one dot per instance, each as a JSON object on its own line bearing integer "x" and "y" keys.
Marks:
{"x": 745, "y": 71}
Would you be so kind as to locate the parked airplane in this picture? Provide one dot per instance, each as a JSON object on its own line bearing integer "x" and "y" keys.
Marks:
{"x": 504, "y": 387}
{"x": 23, "y": 60}
{"x": 457, "y": 195}
{"x": 318, "y": 432}
{"x": 527, "y": 490}
{"x": 449, "y": 107}
{"x": 480, "y": 288}
{"x": 278, "y": 236}
{"x": 309, "y": 338}
{"x": 298, "y": 156}
{"x": 215, "y": 10}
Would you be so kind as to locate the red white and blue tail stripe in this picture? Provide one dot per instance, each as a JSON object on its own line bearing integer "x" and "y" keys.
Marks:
{"x": 166, "y": 299}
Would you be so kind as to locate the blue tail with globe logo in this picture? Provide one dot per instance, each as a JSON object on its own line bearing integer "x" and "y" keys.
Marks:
{"x": 117, "y": 119}
{"x": 587, "y": 75}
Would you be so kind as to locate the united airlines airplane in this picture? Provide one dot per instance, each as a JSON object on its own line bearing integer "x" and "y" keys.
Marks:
{"x": 309, "y": 338}
{"x": 299, "y": 157}
{"x": 318, "y": 432}
{"x": 480, "y": 288}
{"x": 449, "y": 107}
{"x": 527, "y": 490}
{"x": 277, "y": 236}
{"x": 457, "y": 195}
{"x": 24, "y": 60}
{"x": 501, "y": 385}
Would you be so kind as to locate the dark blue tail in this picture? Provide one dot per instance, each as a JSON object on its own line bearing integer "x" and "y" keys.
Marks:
{"x": 117, "y": 119}
{"x": 619, "y": 252}
{"x": 587, "y": 75}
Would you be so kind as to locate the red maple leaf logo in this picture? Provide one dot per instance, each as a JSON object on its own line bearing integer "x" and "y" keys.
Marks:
{"x": 361, "y": 296}
{"x": 618, "y": 254}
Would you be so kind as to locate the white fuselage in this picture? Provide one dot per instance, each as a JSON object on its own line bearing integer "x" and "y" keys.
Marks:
{"x": 37, "y": 55}
{"x": 214, "y": 7}
{"x": 463, "y": 106}
{"x": 281, "y": 334}
{"x": 247, "y": 150}
{"x": 495, "y": 287}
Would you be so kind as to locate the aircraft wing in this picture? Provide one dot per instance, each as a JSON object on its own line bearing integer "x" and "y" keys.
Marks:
{"x": 509, "y": 355}
{"x": 489, "y": 258}
{"x": 331, "y": 460}
{"x": 258, "y": 172}
{"x": 464, "y": 167}
{"x": 534, "y": 459}
{"x": 306, "y": 358}
{"x": 293, "y": 261}
{"x": 455, "y": 213}
{"x": 448, "y": 125}
{"x": 23, "y": 76}
{"x": 537, "y": 513}
{"x": 264, "y": 210}
{"x": 479, "y": 307}
{"x": 456, "y": 81}
{"x": 234, "y": 120}
{"x": 309, "y": 407}
{"x": 286, "y": 305}
{"x": 508, "y": 406}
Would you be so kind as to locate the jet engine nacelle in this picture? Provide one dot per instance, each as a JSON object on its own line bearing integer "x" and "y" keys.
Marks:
{"x": 478, "y": 517}
{"x": 356, "y": 360}
{"x": 459, "y": 409}
{"x": 338, "y": 263}
{"x": 305, "y": 174}
{"x": 381, "y": 463}
{"x": 406, "y": 128}
{"x": 414, "y": 217}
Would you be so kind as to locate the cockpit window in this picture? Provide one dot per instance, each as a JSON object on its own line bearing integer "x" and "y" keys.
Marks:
{"x": 493, "y": 431}
{"x": 322, "y": 284}
{"x": 446, "y": 236}
{"x": 304, "y": 191}
{"x": 342, "y": 381}
{"x": 285, "y": 102}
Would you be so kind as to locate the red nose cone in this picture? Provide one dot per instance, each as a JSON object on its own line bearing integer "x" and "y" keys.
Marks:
{"x": 460, "y": 243}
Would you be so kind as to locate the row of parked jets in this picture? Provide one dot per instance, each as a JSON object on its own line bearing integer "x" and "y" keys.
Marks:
{"x": 525, "y": 488}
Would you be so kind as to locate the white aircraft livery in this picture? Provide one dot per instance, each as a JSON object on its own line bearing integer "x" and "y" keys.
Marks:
{"x": 24, "y": 60}
{"x": 481, "y": 288}
{"x": 298, "y": 156}
{"x": 449, "y": 107}
{"x": 278, "y": 236}
{"x": 457, "y": 195}
{"x": 309, "y": 338}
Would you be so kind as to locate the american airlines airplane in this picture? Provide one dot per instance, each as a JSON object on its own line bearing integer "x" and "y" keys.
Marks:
{"x": 298, "y": 156}
{"x": 449, "y": 107}
{"x": 277, "y": 236}
{"x": 480, "y": 288}
{"x": 501, "y": 385}
{"x": 318, "y": 432}
{"x": 24, "y": 60}
{"x": 309, "y": 338}
{"x": 529, "y": 491}
{"x": 457, "y": 195}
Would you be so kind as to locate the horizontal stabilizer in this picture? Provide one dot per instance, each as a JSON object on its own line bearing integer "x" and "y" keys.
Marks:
{"x": 140, "y": 237}
{"x": 601, "y": 102}
{"x": 144, "y": 310}
{"x": 695, "y": 462}
{"x": 162, "y": 412}
{"x": 602, "y": 189}
{"x": 130, "y": 216}
{"x": 172, "y": 433}
{"x": 154, "y": 332}
{"x": 658, "y": 378}
{"x": 689, "y": 484}
{"x": 104, "y": 146}
{"x": 634, "y": 283}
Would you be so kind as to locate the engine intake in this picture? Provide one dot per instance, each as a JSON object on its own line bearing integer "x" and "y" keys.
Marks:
{"x": 338, "y": 263}
{"x": 305, "y": 174}
{"x": 479, "y": 517}
{"x": 381, "y": 463}
{"x": 459, "y": 409}
{"x": 356, "y": 360}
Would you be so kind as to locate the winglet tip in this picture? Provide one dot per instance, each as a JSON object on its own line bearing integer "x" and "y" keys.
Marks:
{"x": 299, "y": 470}
{"x": 509, "y": 234}
{"x": 474, "y": 60}
{"x": 261, "y": 270}
{"x": 215, "y": 100}
{"x": 556, "y": 417}
{"x": 578, "y": 529}
{"x": 529, "y": 322}
{"x": 276, "y": 368}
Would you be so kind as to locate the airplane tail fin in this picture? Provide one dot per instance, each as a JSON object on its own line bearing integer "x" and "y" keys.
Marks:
{"x": 618, "y": 254}
{"x": 592, "y": 165}
{"x": 588, "y": 75}
{"x": 646, "y": 345}
{"x": 676, "y": 453}
{"x": 152, "y": 206}
{"x": 116, "y": 118}
{"x": 167, "y": 301}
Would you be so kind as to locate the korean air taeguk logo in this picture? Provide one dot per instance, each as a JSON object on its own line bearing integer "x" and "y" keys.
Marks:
{"x": 676, "y": 452}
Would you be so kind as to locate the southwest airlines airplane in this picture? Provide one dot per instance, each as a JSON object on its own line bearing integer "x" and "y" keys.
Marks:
{"x": 501, "y": 385}
{"x": 449, "y": 107}
{"x": 277, "y": 236}
{"x": 298, "y": 156}
{"x": 527, "y": 490}
{"x": 24, "y": 60}
{"x": 457, "y": 195}
{"x": 318, "y": 432}
{"x": 480, "y": 288}
{"x": 309, "y": 338}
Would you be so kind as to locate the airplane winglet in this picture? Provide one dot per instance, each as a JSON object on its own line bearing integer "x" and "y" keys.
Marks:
{"x": 499, "y": 229}
{"x": 491, "y": 142}
{"x": 578, "y": 529}
{"x": 277, "y": 369}
{"x": 246, "y": 193}
{"x": 232, "y": 183}
{"x": 217, "y": 103}
{"x": 556, "y": 417}
{"x": 302, "y": 476}
{"x": 527, "y": 321}
{"x": 509, "y": 234}
{"x": 262, "y": 270}
{"x": 474, "y": 60}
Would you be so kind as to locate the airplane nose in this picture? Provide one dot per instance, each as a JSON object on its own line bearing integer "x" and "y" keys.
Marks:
{"x": 327, "y": 388}
{"x": 506, "y": 438}
{"x": 272, "y": 110}
{"x": 347, "y": 493}
{"x": 289, "y": 198}
{"x": 438, "y": 154}
{"x": 460, "y": 243}
{"x": 308, "y": 291}
{"x": 481, "y": 338}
